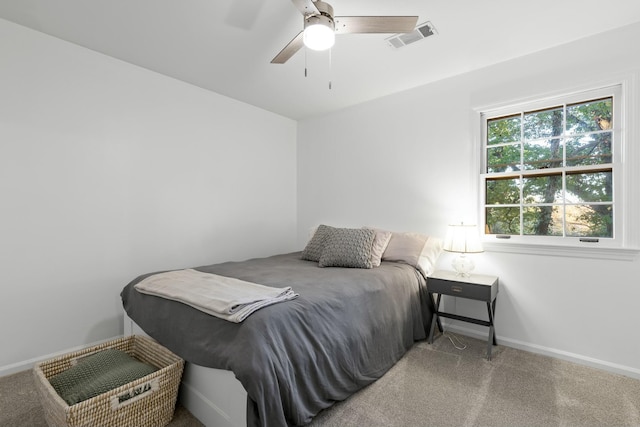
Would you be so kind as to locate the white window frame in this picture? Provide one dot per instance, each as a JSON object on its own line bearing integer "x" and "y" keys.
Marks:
{"x": 625, "y": 244}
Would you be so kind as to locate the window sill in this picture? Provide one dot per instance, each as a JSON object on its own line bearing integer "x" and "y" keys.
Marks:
{"x": 620, "y": 254}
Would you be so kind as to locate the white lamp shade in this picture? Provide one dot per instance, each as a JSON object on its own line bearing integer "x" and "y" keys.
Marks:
{"x": 319, "y": 33}
{"x": 462, "y": 238}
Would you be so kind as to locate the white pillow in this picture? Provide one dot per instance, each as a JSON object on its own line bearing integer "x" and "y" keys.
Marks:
{"x": 429, "y": 255}
{"x": 380, "y": 243}
{"x": 418, "y": 250}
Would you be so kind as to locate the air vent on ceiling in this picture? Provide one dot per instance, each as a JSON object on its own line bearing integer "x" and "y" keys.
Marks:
{"x": 421, "y": 32}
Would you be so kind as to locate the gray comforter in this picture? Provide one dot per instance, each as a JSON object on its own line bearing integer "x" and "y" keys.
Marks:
{"x": 295, "y": 358}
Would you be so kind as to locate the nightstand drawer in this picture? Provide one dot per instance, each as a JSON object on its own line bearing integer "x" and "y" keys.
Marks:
{"x": 459, "y": 289}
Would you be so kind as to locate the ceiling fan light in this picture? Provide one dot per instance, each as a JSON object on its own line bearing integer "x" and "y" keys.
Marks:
{"x": 319, "y": 33}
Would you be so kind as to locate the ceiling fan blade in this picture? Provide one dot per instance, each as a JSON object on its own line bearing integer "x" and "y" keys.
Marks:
{"x": 289, "y": 50}
{"x": 306, "y": 7}
{"x": 375, "y": 24}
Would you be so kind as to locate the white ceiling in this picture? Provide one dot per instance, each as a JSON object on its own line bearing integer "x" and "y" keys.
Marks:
{"x": 226, "y": 45}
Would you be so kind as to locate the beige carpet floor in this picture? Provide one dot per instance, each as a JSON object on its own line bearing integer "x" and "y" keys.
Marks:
{"x": 440, "y": 385}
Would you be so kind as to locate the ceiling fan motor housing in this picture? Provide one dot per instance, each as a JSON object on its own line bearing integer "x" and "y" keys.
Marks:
{"x": 325, "y": 17}
{"x": 319, "y": 20}
{"x": 324, "y": 8}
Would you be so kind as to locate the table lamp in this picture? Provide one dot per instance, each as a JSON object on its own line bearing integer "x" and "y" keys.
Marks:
{"x": 463, "y": 239}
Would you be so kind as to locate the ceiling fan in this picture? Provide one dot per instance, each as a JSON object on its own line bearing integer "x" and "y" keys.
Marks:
{"x": 320, "y": 27}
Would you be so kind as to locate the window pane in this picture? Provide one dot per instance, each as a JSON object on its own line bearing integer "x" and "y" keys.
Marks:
{"x": 543, "y": 189}
{"x": 590, "y": 116}
{"x": 503, "y": 191}
{"x": 590, "y": 220}
{"x": 543, "y": 154}
{"x": 503, "y": 220}
{"x": 593, "y": 149}
{"x": 505, "y": 158}
{"x": 590, "y": 187}
{"x": 542, "y": 220}
{"x": 504, "y": 129}
{"x": 543, "y": 124}
{"x": 548, "y": 168}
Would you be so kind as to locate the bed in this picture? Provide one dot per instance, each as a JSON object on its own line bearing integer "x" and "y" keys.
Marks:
{"x": 290, "y": 360}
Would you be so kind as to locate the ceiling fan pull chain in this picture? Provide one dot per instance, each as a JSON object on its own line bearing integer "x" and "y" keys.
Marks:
{"x": 330, "y": 63}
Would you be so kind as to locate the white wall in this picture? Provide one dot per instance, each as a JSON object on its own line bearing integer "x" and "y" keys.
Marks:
{"x": 406, "y": 162}
{"x": 108, "y": 171}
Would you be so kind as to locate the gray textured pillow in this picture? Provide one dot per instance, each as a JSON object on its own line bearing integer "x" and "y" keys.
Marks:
{"x": 314, "y": 248}
{"x": 348, "y": 247}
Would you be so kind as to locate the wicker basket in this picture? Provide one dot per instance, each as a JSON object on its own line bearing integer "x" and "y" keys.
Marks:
{"x": 148, "y": 401}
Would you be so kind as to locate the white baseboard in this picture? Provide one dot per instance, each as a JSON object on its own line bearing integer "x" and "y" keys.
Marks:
{"x": 29, "y": 364}
{"x": 521, "y": 345}
{"x": 547, "y": 351}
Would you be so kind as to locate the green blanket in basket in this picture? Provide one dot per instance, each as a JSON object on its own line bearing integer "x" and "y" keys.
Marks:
{"x": 98, "y": 373}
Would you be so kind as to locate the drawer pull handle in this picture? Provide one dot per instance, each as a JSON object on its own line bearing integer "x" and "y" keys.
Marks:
{"x": 456, "y": 288}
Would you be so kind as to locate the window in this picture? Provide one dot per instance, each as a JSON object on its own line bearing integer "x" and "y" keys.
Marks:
{"x": 551, "y": 170}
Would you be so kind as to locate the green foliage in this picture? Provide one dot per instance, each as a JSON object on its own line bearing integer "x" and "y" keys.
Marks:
{"x": 543, "y": 124}
{"x": 503, "y": 220}
{"x": 536, "y": 141}
{"x": 504, "y": 158}
{"x": 589, "y": 116}
{"x": 503, "y": 129}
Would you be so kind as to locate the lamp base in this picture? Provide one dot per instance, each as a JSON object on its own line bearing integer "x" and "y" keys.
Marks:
{"x": 463, "y": 265}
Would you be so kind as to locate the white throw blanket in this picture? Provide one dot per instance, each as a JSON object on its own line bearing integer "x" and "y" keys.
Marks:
{"x": 224, "y": 297}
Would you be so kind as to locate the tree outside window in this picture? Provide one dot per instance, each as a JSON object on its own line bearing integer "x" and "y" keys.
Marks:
{"x": 550, "y": 171}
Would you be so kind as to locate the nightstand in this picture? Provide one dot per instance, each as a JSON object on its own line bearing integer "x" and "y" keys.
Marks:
{"x": 476, "y": 287}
